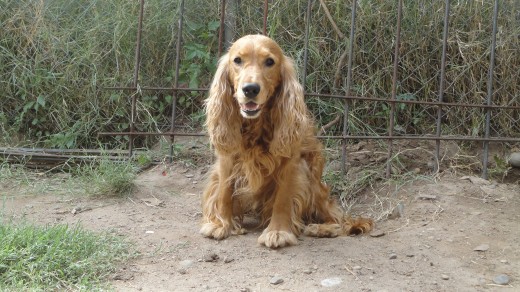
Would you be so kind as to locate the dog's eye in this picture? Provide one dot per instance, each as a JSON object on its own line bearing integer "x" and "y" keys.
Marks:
{"x": 269, "y": 62}
{"x": 237, "y": 60}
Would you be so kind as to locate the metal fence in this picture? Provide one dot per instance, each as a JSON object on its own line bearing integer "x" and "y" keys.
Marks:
{"x": 346, "y": 93}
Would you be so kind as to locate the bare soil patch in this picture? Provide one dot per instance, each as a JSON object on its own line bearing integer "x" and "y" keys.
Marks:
{"x": 427, "y": 244}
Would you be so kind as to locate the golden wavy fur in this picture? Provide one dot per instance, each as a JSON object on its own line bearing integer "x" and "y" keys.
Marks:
{"x": 269, "y": 162}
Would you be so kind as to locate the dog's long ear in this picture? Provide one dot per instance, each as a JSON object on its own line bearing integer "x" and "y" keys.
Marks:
{"x": 222, "y": 113}
{"x": 289, "y": 113}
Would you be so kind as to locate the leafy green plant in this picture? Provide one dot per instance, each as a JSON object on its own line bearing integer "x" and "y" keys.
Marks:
{"x": 198, "y": 62}
{"x": 66, "y": 139}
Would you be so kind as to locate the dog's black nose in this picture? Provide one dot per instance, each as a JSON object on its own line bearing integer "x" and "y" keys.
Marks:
{"x": 251, "y": 90}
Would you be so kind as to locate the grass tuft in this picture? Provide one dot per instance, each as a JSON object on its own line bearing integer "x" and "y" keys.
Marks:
{"x": 57, "y": 257}
{"x": 106, "y": 177}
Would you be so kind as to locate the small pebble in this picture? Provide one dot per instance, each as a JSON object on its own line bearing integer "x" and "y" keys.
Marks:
{"x": 514, "y": 159}
{"x": 377, "y": 233}
{"x": 503, "y": 261}
{"x": 276, "y": 280}
{"x": 445, "y": 277}
{"x": 212, "y": 257}
{"x": 482, "y": 247}
{"x": 393, "y": 256}
{"x": 356, "y": 268}
{"x": 331, "y": 282}
{"x": 501, "y": 279}
{"x": 307, "y": 271}
{"x": 397, "y": 212}
{"x": 186, "y": 264}
{"x": 227, "y": 260}
{"x": 427, "y": 197}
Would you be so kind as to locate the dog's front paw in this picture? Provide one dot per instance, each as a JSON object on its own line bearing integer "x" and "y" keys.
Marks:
{"x": 214, "y": 230}
{"x": 276, "y": 239}
{"x": 219, "y": 231}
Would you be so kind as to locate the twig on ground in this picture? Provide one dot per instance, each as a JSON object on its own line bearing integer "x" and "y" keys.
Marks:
{"x": 353, "y": 274}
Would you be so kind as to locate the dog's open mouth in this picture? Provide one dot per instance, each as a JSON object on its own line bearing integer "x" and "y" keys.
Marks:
{"x": 250, "y": 108}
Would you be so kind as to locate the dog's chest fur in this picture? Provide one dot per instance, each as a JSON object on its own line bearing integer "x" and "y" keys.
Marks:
{"x": 254, "y": 163}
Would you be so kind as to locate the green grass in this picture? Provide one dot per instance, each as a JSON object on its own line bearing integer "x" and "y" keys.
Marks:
{"x": 60, "y": 257}
{"x": 101, "y": 177}
{"x": 104, "y": 177}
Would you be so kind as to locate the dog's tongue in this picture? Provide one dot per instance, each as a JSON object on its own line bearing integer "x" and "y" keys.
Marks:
{"x": 250, "y": 106}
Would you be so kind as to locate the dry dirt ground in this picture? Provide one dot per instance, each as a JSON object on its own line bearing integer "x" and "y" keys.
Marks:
{"x": 450, "y": 234}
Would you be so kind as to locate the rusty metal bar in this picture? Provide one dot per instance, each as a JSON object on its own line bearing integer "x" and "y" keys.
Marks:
{"x": 441, "y": 82}
{"x": 266, "y": 12}
{"x": 490, "y": 91}
{"x": 176, "y": 78}
{"x": 347, "y": 90}
{"x": 169, "y": 133}
{"x": 156, "y": 88}
{"x": 355, "y": 137}
{"x": 4, "y": 150}
{"x": 306, "y": 48}
{"x": 221, "y": 28}
{"x": 137, "y": 63}
{"x": 425, "y": 138}
{"x": 394, "y": 87}
{"x": 352, "y": 97}
{"x": 433, "y": 103}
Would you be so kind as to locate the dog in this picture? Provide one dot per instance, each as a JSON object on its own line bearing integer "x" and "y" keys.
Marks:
{"x": 268, "y": 161}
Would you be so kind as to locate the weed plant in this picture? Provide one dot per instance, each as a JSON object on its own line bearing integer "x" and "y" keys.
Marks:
{"x": 106, "y": 177}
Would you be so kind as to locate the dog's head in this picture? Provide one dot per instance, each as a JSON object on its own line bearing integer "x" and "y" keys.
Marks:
{"x": 253, "y": 79}
{"x": 255, "y": 64}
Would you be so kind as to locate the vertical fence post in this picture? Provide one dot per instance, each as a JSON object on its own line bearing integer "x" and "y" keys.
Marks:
{"x": 346, "y": 102}
{"x": 441, "y": 83}
{"x": 221, "y": 28}
{"x": 306, "y": 45}
{"x": 176, "y": 78}
{"x": 135, "y": 82}
{"x": 394, "y": 88}
{"x": 490, "y": 91}
{"x": 266, "y": 11}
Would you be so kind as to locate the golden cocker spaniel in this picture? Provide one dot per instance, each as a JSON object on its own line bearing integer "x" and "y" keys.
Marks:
{"x": 269, "y": 162}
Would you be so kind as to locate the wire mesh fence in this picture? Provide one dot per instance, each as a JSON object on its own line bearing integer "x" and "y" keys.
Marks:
{"x": 385, "y": 70}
